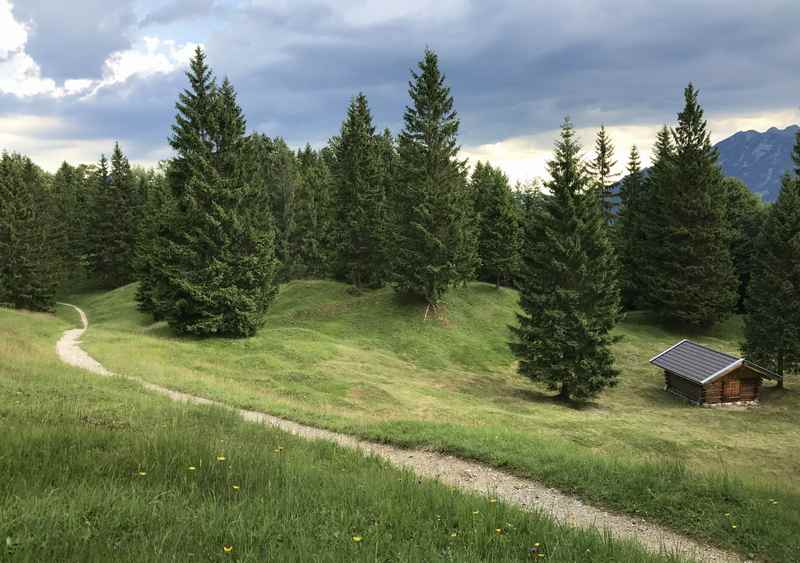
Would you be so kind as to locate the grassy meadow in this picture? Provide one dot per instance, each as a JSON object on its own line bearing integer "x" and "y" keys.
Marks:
{"x": 370, "y": 365}
{"x": 96, "y": 469}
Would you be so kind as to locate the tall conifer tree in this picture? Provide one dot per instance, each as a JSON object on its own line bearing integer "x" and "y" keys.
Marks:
{"x": 772, "y": 325}
{"x": 499, "y": 232}
{"x": 631, "y": 232}
{"x": 436, "y": 244}
{"x": 312, "y": 239}
{"x": 361, "y": 216}
{"x": 568, "y": 284}
{"x": 745, "y": 214}
{"x": 601, "y": 167}
{"x": 215, "y": 270}
{"x": 30, "y": 239}
{"x": 692, "y": 280}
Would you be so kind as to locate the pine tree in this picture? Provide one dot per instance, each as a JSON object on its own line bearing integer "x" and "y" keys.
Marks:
{"x": 499, "y": 232}
{"x": 30, "y": 239}
{"x": 745, "y": 215}
{"x": 280, "y": 180}
{"x": 692, "y": 279}
{"x": 630, "y": 232}
{"x": 361, "y": 256}
{"x": 312, "y": 239}
{"x": 568, "y": 284}
{"x": 654, "y": 224}
{"x": 601, "y": 167}
{"x": 214, "y": 270}
{"x": 436, "y": 245}
{"x": 70, "y": 191}
{"x": 772, "y": 326}
{"x": 157, "y": 214}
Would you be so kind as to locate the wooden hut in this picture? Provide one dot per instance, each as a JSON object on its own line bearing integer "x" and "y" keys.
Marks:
{"x": 705, "y": 376}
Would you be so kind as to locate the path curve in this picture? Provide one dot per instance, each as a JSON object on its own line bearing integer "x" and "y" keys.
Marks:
{"x": 469, "y": 476}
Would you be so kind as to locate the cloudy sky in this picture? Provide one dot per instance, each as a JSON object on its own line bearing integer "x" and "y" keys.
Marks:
{"x": 77, "y": 75}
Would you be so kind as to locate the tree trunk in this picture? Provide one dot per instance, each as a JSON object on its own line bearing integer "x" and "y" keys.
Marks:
{"x": 780, "y": 371}
{"x": 497, "y": 285}
{"x": 564, "y": 393}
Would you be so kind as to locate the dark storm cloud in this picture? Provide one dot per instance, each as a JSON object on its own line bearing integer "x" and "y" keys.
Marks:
{"x": 72, "y": 38}
{"x": 515, "y": 67}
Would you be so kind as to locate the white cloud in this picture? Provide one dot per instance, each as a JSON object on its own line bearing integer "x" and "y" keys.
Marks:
{"x": 147, "y": 57}
{"x": 13, "y": 34}
{"x": 21, "y": 76}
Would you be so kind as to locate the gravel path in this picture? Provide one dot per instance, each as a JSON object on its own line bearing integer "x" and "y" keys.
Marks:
{"x": 466, "y": 475}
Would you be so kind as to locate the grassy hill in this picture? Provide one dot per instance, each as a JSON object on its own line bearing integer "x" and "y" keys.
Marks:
{"x": 95, "y": 469}
{"x": 370, "y": 365}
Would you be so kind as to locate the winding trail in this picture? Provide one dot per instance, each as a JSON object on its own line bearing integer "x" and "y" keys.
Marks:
{"x": 469, "y": 476}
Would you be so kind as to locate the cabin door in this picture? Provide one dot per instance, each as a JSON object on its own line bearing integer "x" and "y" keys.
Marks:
{"x": 731, "y": 389}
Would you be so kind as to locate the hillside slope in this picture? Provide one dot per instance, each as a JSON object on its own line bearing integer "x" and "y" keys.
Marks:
{"x": 95, "y": 469}
{"x": 371, "y": 366}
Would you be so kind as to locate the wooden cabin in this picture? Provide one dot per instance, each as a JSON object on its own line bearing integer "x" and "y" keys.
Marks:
{"x": 706, "y": 377}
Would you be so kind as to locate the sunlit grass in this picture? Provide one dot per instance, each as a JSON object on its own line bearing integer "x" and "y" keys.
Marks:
{"x": 96, "y": 469}
{"x": 370, "y": 365}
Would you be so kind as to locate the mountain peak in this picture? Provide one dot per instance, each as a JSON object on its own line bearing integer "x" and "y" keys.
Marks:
{"x": 759, "y": 159}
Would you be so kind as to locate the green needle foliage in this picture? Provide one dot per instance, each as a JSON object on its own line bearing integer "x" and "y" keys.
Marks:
{"x": 568, "y": 284}
{"x": 631, "y": 232}
{"x": 772, "y": 327}
{"x": 499, "y": 235}
{"x": 215, "y": 267}
{"x": 601, "y": 167}
{"x": 691, "y": 276}
{"x": 30, "y": 239}
{"x": 745, "y": 216}
{"x": 361, "y": 207}
{"x": 435, "y": 231}
{"x": 311, "y": 242}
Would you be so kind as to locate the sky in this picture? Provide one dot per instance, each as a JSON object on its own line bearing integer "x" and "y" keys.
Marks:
{"x": 77, "y": 76}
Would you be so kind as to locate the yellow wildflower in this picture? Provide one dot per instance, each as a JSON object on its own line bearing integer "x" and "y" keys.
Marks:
{"x": 236, "y": 487}
{"x": 357, "y": 538}
{"x": 220, "y": 458}
{"x": 192, "y": 468}
{"x": 142, "y": 473}
{"x": 227, "y": 548}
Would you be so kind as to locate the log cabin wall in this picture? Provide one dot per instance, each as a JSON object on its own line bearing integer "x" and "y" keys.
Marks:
{"x": 742, "y": 384}
{"x": 683, "y": 387}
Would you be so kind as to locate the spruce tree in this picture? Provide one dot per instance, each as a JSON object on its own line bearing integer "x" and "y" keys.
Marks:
{"x": 745, "y": 214}
{"x": 312, "y": 241}
{"x": 499, "y": 232}
{"x": 361, "y": 256}
{"x": 157, "y": 214}
{"x": 568, "y": 284}
{"x": 692, "y": 279}
{"x": 280, "y": 179}
{"x": 436, "y": 245}
{"x": 215, "y": 266}
{"x": 630, "y": 232}
{"x": 30, "y": 238}
{"x": 772, "y": 325}
{"x": 601, "y": 167}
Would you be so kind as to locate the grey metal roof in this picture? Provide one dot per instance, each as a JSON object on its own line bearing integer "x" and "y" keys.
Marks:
{"x": 695, "y": 362}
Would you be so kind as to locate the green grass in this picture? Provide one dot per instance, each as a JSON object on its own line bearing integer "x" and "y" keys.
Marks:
{"x": 369, "y": 365}
{"x": 96, "y": 469}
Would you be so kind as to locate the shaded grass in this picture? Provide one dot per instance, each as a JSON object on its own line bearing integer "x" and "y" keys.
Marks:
{"x": 94, "y": 469}
{"x": 369, "y": 365}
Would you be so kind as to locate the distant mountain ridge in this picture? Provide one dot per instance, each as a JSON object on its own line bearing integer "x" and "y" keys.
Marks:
{"x": 759, "y": 159}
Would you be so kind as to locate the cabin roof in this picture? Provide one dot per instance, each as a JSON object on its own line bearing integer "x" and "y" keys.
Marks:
{"x": 702, "y": 364}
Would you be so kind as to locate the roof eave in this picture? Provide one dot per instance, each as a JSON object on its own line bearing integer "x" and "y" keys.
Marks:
{"x": 769, "y": 374}
{"x": 724, "y": 371}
